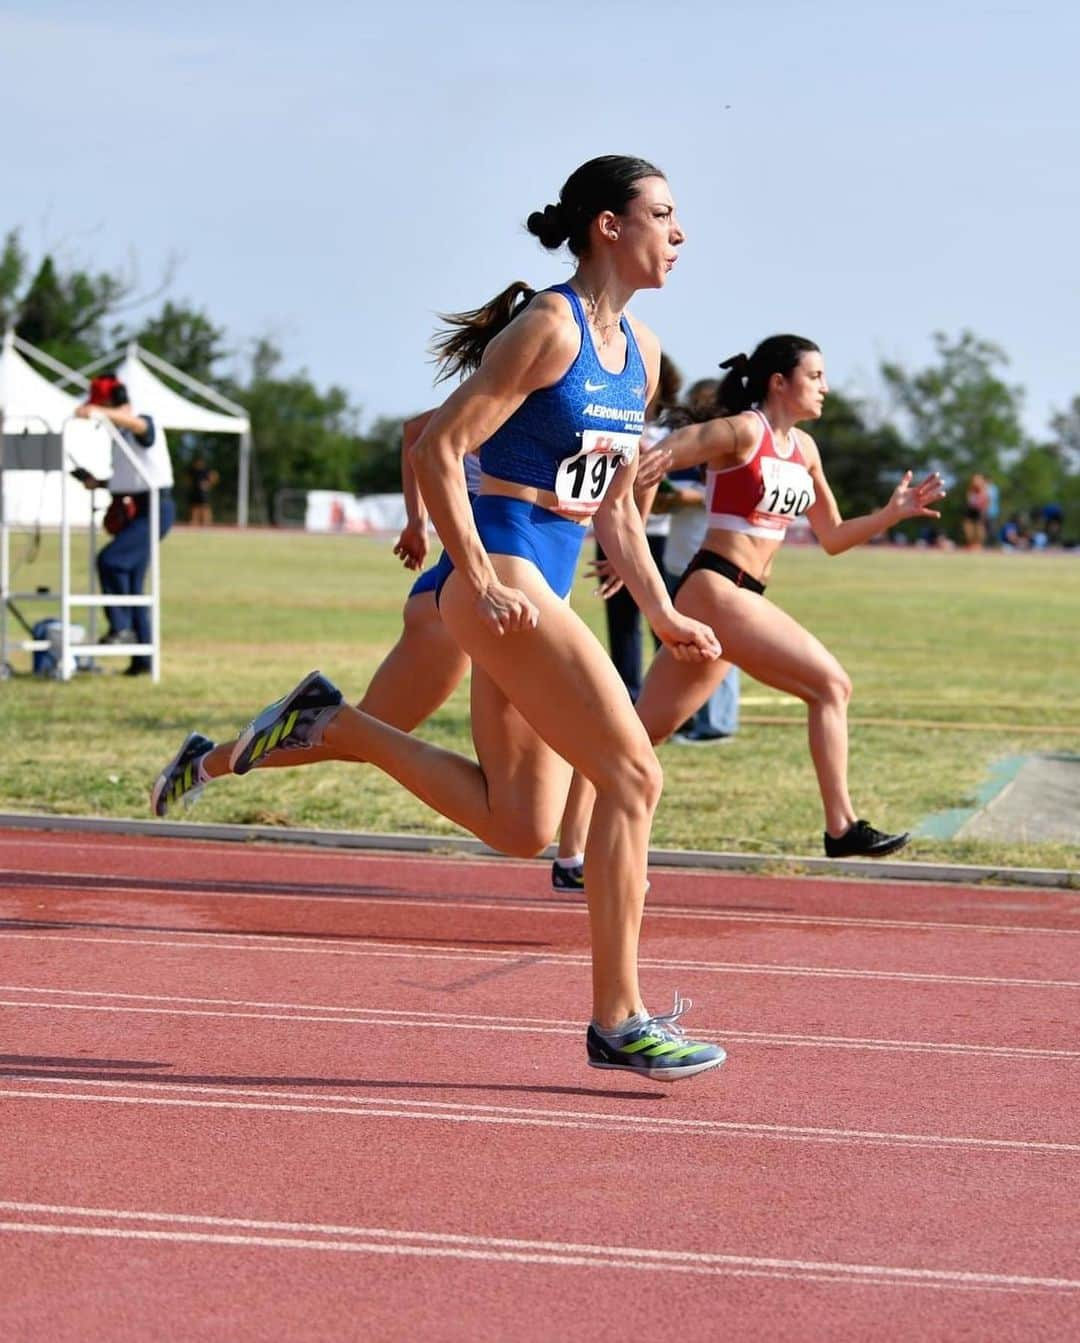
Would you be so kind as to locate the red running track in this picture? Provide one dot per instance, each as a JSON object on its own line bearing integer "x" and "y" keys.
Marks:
{"x": 259, "y": 1092}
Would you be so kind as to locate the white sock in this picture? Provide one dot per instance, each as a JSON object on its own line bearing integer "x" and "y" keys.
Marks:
{"x": 614, "y": 1033}
{"x": 201, "y": 776}
{"x": 575, "y": 860}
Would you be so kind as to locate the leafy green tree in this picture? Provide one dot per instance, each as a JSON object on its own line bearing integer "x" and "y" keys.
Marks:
{"x": 183, "y": 336}
{"x": 1065, "y": 428}
{"x": 304, "y": 438}
{"x": 862, "y": 463}
{"x": 64, "y": 313}
{"x": 13, "y": 264}
{"x": 1036, "y": 478}
{"x": 961, "y": 416}
{"x": 378, "y": 463}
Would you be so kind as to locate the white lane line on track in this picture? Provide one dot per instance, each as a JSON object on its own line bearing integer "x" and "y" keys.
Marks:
{"x": 464, "y": 1112}
{"x": 375, "y": 1016}
{"x": 525, "y": 905}
{"x": 329, "y": 947}
{"x": 387, "y": 1240}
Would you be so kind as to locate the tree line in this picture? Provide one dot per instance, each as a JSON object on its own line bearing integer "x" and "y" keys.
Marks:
{"x": 959, "y": 415}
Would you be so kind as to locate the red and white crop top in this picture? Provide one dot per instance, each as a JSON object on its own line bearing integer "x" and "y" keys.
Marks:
{"x": 764, "y": 495}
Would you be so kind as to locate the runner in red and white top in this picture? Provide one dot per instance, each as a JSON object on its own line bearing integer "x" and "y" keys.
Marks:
{"x": 762, "y": 474}
{"x": 763, "y": 495}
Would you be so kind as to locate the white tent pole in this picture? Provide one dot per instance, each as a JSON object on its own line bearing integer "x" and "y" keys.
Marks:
{"x": 155, "y": 584}
{"x": 5, "y": 563}
{"x": 67, "y": 668}
{"x": 243, "y": 480}
{"x": 163, "y": 366}
{"x": 69, "y": 374}
{"x": 82, "y": 374}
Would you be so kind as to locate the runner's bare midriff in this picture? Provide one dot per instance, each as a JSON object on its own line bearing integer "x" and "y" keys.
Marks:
{"x": 531, "y": 494}
{"x": 751, "y": 553}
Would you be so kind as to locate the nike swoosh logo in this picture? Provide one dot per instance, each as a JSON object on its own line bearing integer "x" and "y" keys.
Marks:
{"x": 594, "y": 386}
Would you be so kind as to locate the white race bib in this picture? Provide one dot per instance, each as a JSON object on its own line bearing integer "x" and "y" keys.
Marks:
{"x": 788, "y": 490}
{"x": 582, "y": 480}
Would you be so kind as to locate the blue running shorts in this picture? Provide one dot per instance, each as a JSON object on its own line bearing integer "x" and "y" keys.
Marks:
{"x": 515, "y": 527}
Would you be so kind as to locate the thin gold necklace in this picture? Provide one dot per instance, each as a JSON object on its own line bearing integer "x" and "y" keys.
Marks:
{"x": 604, "y": 330}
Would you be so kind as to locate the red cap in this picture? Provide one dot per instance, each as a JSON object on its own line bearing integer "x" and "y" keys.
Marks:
{"x": 103, "y": 390}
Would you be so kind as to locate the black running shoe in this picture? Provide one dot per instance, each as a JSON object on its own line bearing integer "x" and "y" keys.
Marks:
{"x": 567, "y": 878}
{"x": 861, "y": 840}
{"x": 573, "y": 878}
{"x": 292, "y": 722}
{"x": 654, "y": 1047}
{"x": 177, "y": 781}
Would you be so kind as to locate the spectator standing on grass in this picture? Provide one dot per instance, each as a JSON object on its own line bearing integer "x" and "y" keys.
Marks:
{"x": 1053, "y": 521}
{"x": 621, "y": 612}
{"x": 1014, "y": 533}
{"x": 684, "y": 501}
{"x": 976, "y": 503}
{"x": 993, "y": 510}
{"x": 201, "y": 480}
{"x": 123, "y": 562}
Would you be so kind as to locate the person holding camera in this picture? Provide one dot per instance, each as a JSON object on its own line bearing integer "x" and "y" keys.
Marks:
{"x": 122, "y": 563}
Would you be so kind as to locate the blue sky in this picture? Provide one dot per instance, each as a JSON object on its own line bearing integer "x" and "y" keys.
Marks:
{"x": 333, "y": 175}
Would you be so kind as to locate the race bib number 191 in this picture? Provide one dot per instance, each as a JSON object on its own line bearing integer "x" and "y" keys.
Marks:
{"x": 582, "y": 480}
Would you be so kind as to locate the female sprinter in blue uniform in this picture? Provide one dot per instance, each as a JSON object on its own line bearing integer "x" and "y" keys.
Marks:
{"x": 418, "y": 675}
{"x": 425, "y": 665}
{"x": 762, "y": 474}
{"x": 556, "y": 410}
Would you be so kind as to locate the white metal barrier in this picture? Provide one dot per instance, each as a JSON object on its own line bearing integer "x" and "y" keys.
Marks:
{"x": 49, "y": 452}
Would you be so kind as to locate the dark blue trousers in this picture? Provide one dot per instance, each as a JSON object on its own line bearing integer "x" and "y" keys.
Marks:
{"x": 122, "y": 566}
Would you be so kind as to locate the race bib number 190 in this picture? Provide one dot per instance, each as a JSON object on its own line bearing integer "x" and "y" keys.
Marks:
{"x": 582, "y": 480}
{"x": 788, "y": 490}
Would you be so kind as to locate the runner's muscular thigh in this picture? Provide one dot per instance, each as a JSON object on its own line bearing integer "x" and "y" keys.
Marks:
{"x": 759, "y": 637}
{"x": 556, "y": 675}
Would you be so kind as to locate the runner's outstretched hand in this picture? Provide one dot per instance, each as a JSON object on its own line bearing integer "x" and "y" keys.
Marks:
{"x": 913, "y": 501}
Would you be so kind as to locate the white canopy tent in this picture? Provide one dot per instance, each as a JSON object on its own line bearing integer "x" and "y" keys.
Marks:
{"x": 41, "y": 441}
{"x": 29, "y": 401}
{"x": 138, "y": 370}
{"x": 30, "y": 405}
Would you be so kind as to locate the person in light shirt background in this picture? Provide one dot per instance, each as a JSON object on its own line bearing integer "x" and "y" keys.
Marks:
{"x": 122, "y": 563}
{"x": 681, "y": 499}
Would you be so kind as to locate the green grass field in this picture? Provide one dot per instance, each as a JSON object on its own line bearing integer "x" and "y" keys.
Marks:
{"x": 957, "y": 660}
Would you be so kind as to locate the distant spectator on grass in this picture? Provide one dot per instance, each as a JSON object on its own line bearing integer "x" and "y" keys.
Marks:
{"x": 682, "y": 497}
{"x": 993, "y": 510}
{"x": 624, "y": 623}
{"x": 201, "y": 480}
{"x": 1015, "y": 534}
{"x": 1053, "y": 521}
{"x": 976, "y": 503}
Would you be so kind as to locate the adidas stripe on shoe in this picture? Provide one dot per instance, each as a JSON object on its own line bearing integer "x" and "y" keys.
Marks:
{"x": 293, "y": 722}
{"x": 653, "y": 1047}
{"x": 178, "y": 781}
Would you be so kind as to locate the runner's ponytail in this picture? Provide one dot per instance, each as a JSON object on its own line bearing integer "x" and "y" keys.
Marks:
{"x": 459, "y": 346}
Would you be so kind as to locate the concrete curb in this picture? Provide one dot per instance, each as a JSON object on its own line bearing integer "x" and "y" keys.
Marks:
{"x": 700, "y": 859}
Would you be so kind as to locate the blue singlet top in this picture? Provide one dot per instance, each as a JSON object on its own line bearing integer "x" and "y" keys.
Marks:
{"x": 546, "y": 428}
